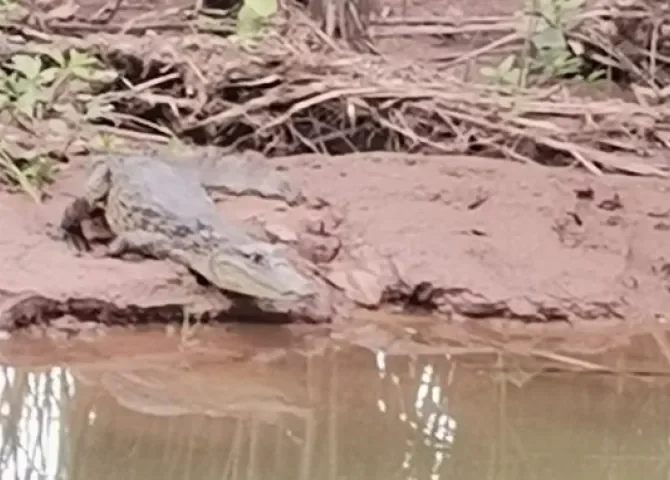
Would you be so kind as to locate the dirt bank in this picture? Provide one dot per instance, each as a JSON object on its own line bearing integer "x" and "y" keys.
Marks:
{"x": 471, "y": 237}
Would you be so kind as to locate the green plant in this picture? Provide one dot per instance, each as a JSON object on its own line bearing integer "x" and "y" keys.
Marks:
{"x": 49, "y": 90}
{"x": 30, "y": 172}
{"x": 505, "y": 73}
{"x": 253, "y": 16}
{"x": 549, "y": 53}
{"x": 8, "y": 7}
{"x": 33, "y": 89}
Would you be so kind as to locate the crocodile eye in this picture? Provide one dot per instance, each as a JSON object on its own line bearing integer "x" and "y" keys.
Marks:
{"x": 256, "y": 258}
{"x": 253, "y": 255}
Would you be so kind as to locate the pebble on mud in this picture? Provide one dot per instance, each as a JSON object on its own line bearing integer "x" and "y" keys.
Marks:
{"x": 359, "y": 286}
{"x": 318, "y": 248}
{"x": 277, "y": 232}
{"x": 522, "y": 308}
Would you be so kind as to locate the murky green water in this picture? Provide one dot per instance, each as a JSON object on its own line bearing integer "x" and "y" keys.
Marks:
{"x": 157, "y": 410}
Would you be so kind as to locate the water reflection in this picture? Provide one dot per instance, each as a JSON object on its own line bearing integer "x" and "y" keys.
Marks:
{"x": 32, "y": 405}
{"x": 344, "y": 413}
{"x": 431, "y": 428}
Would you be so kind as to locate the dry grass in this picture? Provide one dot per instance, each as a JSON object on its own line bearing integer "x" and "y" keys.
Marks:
{"x": 299, "y": 90}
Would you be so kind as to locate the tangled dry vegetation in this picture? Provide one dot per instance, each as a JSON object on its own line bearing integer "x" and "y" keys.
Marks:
{"x": 296, "y": 88}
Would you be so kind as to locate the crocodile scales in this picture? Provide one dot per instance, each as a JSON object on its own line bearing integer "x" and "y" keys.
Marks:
{"x": 158, "y": 206}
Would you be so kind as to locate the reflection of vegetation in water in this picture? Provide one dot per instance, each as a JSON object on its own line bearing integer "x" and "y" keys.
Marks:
{"x": 432, "y": 427}
{"x": 33, "y": 435}
{"x": 49, "y": 433}
{"x": 370, "y": 416}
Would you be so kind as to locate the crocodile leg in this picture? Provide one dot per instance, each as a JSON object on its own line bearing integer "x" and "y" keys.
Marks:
{"x": 151, "y": 245}
{"x": 83, "y": 208}
{"x": 70, "y": 225}
{"x": 98, "y": 183}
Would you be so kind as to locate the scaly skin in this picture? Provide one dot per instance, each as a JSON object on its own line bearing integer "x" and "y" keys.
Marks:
{"x": 164, "y": 212}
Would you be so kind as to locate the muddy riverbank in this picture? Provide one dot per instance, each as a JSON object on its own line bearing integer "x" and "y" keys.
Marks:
{"x": 461, "y": 236}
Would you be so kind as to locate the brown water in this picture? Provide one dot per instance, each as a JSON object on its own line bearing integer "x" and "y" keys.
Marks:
{"x": 266, "y": 403}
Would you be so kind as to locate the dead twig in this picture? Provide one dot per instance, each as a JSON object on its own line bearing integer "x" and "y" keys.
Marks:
{"x": 292, "y": 89}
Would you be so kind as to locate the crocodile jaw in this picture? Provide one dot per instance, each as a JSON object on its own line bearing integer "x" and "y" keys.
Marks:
{"x": 260, "y": 271}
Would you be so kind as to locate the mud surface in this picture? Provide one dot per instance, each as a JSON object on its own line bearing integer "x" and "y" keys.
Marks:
{"x": 473, "y": 238}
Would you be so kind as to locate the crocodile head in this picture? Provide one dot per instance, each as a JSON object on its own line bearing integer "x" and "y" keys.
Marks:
{"x": 258, "y": 270}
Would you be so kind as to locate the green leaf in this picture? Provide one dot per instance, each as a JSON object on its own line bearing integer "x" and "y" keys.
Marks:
{"x": 26, "y": 103}
{"x": 49, "y": 51}
{"x": 595, "y": 75}
{"x": 559, "y": 58}
{"x": 83, "y": 73}
{"x": 512, "y": 76}
{"x": 549, "y": 38}
{"x": 20, "y": 84}
{"x": 507, "y": 64}
{"x": 262, "y": 8}
{"x": 57, "y": 56}
{"x": 97, "y": 76}
{"x": 39, "y": 171}
{"x": 570, "y": 9}
{"x": 29, "y": 66}
{"x": 249, "y": 22}
{"x": 574, "y": 4}
{"x": 488, "y": 72}
{"x": 78, "y": 59}
{"x": 49, "y": 75}
{"x": 19, "y": 177}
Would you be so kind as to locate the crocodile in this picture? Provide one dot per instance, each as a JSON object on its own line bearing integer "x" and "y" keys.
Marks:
{"x": 158, "y": 206}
